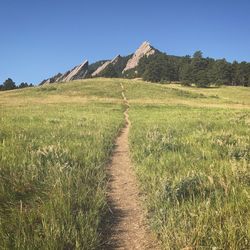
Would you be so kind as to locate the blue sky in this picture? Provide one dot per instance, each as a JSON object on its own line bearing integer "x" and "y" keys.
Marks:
{"x": 41, "y": 38}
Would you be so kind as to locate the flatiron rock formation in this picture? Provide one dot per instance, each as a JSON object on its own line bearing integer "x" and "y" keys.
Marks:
{"x": 78, "y": 72}
{"x": 105, "y": 65}
{"x": 120, "y": 64}
{"x": 52, "y": 79}
{"x": 144, "y": 50}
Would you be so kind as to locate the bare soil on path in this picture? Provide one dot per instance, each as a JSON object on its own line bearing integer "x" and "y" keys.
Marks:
{"x": 127, "y": 228}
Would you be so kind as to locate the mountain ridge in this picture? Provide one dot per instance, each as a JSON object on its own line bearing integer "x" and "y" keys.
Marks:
{"x": 152, "y": 65}
{"x": 83, "y": 71}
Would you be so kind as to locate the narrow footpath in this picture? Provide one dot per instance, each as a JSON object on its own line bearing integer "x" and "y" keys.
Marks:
{"x": 127, "y": 228}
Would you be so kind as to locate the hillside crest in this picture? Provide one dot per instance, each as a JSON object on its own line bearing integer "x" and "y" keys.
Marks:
{"x": 123, "y": 64}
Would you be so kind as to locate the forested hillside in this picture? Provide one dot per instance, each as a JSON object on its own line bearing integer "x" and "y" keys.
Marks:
{"x": 153, "y": 65}
{"x": 196, "y": 69}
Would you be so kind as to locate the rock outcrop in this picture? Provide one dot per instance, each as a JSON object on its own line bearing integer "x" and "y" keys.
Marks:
{"x": 52, "y": 79}
{"x": 78, "y": 72}
{"x": 144, "y": 50}
{"x": 120, "y": 66}
{"x": 105, "y": 65}
{"x": 101, "y": 68}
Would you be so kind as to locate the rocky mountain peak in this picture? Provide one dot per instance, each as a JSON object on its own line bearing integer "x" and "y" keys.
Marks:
{"x": 79, "y": 72}
{"x": 121, "y": 64}
{"x": 144, "y": 50}
{"x": 106, "y": 64}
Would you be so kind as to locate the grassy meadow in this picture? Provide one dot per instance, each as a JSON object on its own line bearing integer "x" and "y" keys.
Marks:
{"x": 54, "y": 144}
{"x": 191, "y": 151}
{"x": 190, "y": 148}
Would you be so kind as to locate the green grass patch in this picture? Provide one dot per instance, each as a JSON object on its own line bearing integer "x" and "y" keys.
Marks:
{"x": 52, "y": 166}
{"x": 190, "y": 148}
{"x": 193, "y": 165}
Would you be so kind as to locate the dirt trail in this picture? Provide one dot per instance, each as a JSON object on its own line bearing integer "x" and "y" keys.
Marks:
{"x": 127, "y": 223}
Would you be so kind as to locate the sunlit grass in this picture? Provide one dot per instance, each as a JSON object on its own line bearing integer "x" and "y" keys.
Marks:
{"x": 53, "y": 153}
{"x": 234, "y": 94}
{"x": 173, "y": 94}
{"x": 190, "y": 148}
{"x": 193, "y": 164}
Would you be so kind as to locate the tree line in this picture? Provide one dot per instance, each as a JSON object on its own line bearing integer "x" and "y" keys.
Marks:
{"x": 201, "y": 71}
{"x": 9, "y": 84}
{"x": 187, "y": 70}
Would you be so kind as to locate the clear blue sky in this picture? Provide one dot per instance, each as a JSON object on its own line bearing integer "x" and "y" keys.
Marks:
{"x": 41, "y": 38}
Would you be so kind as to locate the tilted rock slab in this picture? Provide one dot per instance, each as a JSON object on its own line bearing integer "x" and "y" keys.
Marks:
{"x": 81, "y": 71}
{"x": 78, "y": 72}
{"x": 52, "y": 79}
{"x": 144, "y": 50}
{"x": 105, "y": 65}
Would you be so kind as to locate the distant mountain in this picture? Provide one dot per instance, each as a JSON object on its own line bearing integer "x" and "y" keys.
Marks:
{"x": 94, "y": 66}
{"x": 118, "y": 66}
{"x": 78, "y": 72}
{"x": 144, "y": 50}
{"x": 153, "y": 65}
{"x": 105, "y": 65}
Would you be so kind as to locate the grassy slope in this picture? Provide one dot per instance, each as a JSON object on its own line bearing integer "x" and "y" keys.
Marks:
{"x": 54, "y": 143}
{"x": 191, "y": 151}
{"x": 190, "y": 148}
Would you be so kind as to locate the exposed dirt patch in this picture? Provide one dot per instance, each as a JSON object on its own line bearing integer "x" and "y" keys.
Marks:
{"x": 127, "y": 227}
